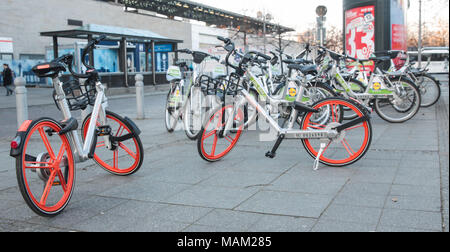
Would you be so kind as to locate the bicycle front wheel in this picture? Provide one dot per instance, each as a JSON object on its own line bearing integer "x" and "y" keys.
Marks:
{"x": 126, "y": 157}
{"x": 213, "y": 142}
{"x": 46, "y": 168}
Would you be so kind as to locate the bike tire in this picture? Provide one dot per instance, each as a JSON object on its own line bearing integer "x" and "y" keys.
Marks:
{"x": 133, "y": 148}
{"x": 412, "y": 110}
{"x": 171, "y": 126}
{"x": 230, "y": 141}
{"x": 434, "y": 85}
{"x": 362, "y": 143}
{"x": 28, "y": 162}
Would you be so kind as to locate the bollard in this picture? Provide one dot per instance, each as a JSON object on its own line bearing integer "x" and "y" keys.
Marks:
{"x": 140, "y": 96}
{"x": 21, "y": 100}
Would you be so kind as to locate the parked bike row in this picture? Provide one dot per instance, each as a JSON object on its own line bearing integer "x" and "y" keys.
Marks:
{"x": 318, "y": 100}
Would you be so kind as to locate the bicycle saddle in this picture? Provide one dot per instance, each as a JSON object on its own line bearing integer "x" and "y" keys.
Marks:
{"x": 418, "y": 71}
{"x": 297, "y": 61}
{"x": 48, "y": 69}
{"x": 380, "y": 59}
{"x": 309, "y": 69}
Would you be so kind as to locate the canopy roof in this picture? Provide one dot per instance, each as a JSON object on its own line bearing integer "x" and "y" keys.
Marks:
{"x": 204, "y": 13}
{"x": 112, "y": 33}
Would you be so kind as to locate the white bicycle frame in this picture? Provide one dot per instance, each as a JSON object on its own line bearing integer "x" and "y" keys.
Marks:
{"x": 349, "y": 93}
{"x": 285, "y": 133}
{"x": 80, "y": 150}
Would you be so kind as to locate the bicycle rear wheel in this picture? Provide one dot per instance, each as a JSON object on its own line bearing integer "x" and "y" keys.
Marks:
{"x": 46, "y": 168}
{"x": 351, "y": 144}
{"x": 430, "y": 90}
{"x": 194, "y": 114}
{"x": 213, "y": 145}
{"x": 173, "y": 107}
{"x": 403, "y": 106}
{"x": 127, "y": 156}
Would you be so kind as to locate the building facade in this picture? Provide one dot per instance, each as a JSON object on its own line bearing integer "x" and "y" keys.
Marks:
{"x": 22, "y": 46}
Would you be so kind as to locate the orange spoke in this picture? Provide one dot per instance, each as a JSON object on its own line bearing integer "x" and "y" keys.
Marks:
{"x": 347, "y": 147}
{"x": 61, "y": 153}
{"x": 125, "y": 148}
{"x": 352, "y": 128}
{"x": 38, "y": 167}
{"x": 334, "y": 116}
{"x": 325, "y": 150}
{"x": 214, "y": 145}
{"x": 229, "y": 139}
{"x": 47, "y": 188}
{"x": 46, "y": 143}
{"x": 101, "y": 144}
{"x": 120, "y": 131}
{"x": 316, "y": 126}
{"x": 62, "y": 180}
{"x": 210, "y": 134}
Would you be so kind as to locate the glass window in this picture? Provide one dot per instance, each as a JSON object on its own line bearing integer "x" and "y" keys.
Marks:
{"x": 6, "y": 56}
{"x": 439, "y": 57}
{"x": 32, "y": 57}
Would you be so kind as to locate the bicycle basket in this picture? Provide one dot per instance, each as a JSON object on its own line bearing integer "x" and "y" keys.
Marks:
{"x": 78, "y": 96}
{"x": 199, "y": 57}
{"x": 232, "y": 86}
{"x": 208, "y": 85}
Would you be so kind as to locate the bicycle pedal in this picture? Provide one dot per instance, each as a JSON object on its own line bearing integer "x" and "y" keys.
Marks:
{"x": 104, "y": 131}
{"x": 271, "y": 155}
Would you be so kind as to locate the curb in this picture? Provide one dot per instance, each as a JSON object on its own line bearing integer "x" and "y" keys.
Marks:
{"x": 160, "y": 91}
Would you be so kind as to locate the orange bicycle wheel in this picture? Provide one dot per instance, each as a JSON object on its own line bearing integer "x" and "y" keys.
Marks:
{"x": 213, "y": 144}
{"x": 126, "y": 157}
{"x": 46, "y": 168}
{"x": 350, "y": 145}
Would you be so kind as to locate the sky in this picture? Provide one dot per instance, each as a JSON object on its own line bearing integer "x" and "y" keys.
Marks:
{"x": 300, "y": 14}
{"x": 297, "y": 14}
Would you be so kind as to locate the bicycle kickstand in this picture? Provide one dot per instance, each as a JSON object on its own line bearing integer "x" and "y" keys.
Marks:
{"x": 271, "y": 154}
{"x": 323, "y": 146}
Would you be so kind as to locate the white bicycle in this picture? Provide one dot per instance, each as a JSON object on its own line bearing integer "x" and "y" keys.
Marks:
{"x": 46, "y": 150}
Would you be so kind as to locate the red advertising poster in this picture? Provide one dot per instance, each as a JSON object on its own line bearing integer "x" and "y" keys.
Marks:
{"x": 360, "y": 32}
{"x": 399, "y": 37}
{"x": 398, "y": 29}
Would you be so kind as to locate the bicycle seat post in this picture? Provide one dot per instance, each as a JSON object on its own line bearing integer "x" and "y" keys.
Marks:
{"x": 61, "y": 98}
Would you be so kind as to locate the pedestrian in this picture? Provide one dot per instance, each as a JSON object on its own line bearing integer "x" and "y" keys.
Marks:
{"x": 7, "y": 79}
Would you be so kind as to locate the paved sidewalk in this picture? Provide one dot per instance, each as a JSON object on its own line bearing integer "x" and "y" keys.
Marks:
{"x": 43, "y": 96}
{"x": 401, "y": 185}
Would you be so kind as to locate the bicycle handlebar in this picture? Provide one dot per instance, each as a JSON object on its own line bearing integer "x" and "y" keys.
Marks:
{"x": 68, "y": 58}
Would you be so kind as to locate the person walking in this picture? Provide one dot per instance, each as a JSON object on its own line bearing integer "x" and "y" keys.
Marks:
{"x": 7, "y": 79}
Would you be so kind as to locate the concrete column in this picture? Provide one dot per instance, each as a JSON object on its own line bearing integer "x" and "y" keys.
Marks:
{"x": 140, "y": 96}
{"x": 21, "y": 100}
{"x": 153, "y": 63}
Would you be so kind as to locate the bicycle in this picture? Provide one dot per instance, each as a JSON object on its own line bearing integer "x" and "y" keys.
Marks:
{"x": 260, "y": 83}
{"x": 323, "y": 132}
{"x": 184, "y": 100}
{"x": 50, "y": 149}
{"x": 394, "y": 97}
{"x": 430, "y": 88}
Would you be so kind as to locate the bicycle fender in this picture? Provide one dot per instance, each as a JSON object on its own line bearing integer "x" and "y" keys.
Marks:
{"x": 18, "y": 141}
{"x": 134, "y": 127}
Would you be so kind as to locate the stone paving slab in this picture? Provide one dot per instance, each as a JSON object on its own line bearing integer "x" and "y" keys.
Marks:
{"x": 401, "y": 185}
